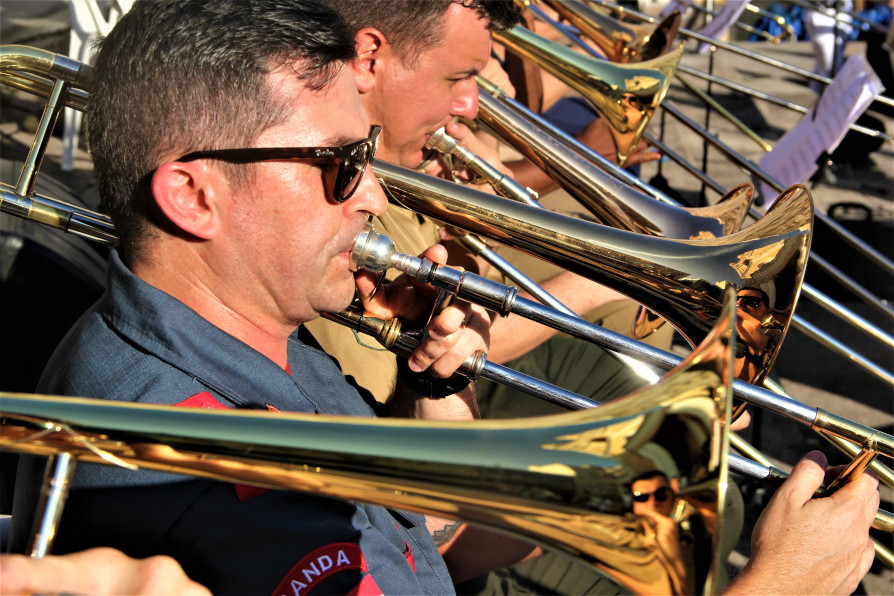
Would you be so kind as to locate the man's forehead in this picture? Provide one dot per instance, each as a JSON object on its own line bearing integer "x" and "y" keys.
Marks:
{"x": 332, "y": 115}
{"x": 466, "y": 42}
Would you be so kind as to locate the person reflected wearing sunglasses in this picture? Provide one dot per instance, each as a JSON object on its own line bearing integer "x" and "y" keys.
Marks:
{"x": 652, "y": 492}
{"x": 752, "y": 307}
{"x": 653, "y": 503}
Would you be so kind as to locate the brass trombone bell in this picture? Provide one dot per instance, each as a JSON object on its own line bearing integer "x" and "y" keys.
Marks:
{"x": 619, "y": 41}
{"x": 625, "y": 94}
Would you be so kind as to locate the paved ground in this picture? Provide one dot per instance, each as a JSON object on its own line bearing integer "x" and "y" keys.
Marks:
{"x": 808, "y": 370}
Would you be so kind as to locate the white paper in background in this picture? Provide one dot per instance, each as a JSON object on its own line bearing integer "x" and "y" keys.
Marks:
{"x": 793, "y": 159}
{"x": 723, "y": 20}
{"x": 675, "y": 5}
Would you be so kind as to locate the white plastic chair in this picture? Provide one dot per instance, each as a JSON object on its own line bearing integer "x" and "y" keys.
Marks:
{"x": 87, "y": 21}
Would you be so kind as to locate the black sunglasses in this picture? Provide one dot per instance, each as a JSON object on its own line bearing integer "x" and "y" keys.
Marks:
{"x": 352, "y": 159}
{"x": 752, "y": 301}
{"x": 661, "y": 495}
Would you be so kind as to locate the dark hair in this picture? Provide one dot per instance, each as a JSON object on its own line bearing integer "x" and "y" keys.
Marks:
{"x": 411, "y": 26}
{"x": 176, "y": 76}
{"x": 650, "y": 474}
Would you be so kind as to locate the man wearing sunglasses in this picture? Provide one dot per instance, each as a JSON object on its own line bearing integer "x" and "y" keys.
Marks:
{"x": 232, "y": 151}
{"x": 753, "y": 331}
{"x": 653, "y": 502}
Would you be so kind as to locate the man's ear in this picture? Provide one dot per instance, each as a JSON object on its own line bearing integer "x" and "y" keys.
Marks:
{"x": 373, "y": 50}
{"x": 188, "y": 194}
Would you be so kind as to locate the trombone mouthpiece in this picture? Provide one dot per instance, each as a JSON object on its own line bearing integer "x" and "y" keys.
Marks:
{"x": 372, "y": 251}
{"x": 375, "y": 252}
{"x": 441, "y": 142}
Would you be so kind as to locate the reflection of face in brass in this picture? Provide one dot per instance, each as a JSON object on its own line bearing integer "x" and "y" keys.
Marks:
{"x": 752, "y": 306}
{"x": 753, "y": 301}
{"x": 633, "y": 113}
{"x": 652, "y": 493}
{"x": 633, "y": 109}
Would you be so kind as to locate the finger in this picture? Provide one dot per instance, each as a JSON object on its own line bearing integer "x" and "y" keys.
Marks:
{"x": 806, "y": 477}
{"x": 431, "y": 350}
{"x": 868, "y": 556}
{"x": 450, "y": 320}
{"x": 643, "y": 157}
{"x": 742, "y": 422}
{"x": 366, "y": 282}
{"x": 444, "y": 332}
{"x": 474, "y": 337}
{"x": 861, "y": 493}
{"x": 656, "y": 517}
{"x": 459, "y": 131}
{"x": 79, "y": 573}
{"x": 436, "y": 253}
{"x": 855, "y": 571}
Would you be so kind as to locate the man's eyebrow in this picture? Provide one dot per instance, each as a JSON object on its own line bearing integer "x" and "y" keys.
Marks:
{"x": 469, "y": 72}
{"x": 339, "y": 140}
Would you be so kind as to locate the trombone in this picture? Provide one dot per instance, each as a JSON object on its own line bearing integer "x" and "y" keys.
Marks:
{"x": 388, "y": 333}
{"x": 578, "y": 72}
{"x": 525, "y": 137}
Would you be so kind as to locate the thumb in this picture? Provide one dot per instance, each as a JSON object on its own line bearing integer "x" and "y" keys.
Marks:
{"x": 807, "y": 476}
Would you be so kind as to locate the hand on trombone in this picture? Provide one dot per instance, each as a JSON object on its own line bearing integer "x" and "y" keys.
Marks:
{"x": 454, "y": 332}
{"x": 481, "y": 144}
{"x": 802, "y": 545}
{"x": 95, "y": 571}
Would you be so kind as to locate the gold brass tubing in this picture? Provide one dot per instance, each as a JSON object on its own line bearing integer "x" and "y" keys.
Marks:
{"x": 54, "y": 491}
{"x": 725, "y": 113}
{"x": 57, "y": 214}
{"x": 46, "y": 63}
{"x": 28, "y": 208}
{"x": 883, "y": 553}
{"x": 748, "y": 450}
{"x": 884, "y": 521}
{"x": 827, "y": 422}
{"x": 563, "y": 481}
{"x": 51, "y": 113}
{"x": 385, "y": 331}
{"x": 732, "y": 47}
{"x": 855, "y": 468}
{"x": 884, "y": 473}
{"x": 35, "y": 85}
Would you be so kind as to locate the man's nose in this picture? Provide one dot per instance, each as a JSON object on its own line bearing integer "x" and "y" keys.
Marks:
{"x": 369, "y": 197}
{"x": 465, "y": 100}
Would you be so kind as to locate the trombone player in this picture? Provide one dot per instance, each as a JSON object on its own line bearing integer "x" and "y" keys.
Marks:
{"x": 232, "y": 151}
{"x": 234, "y": 166}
